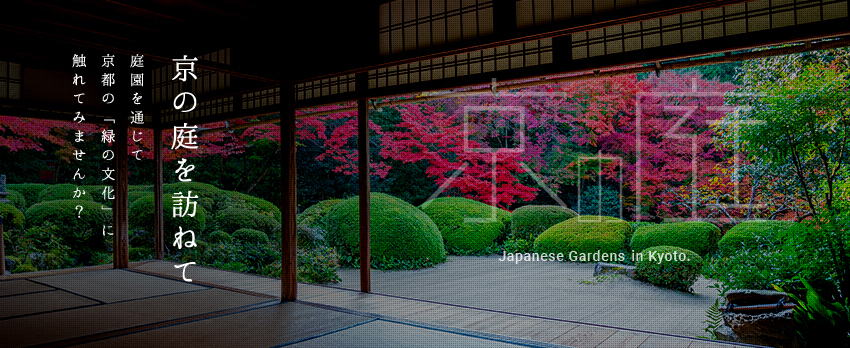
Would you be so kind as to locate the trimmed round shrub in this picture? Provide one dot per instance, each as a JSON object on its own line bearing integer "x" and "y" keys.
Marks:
{"x": 668, "y": 267}
{"x": 18, "y": 199}
{"x": 219, "y": 236}
{"x": 315, "y": 214}
{"x": 754, "y": 234}
{"x": 12, "y": 217}
{"x": 141, "y": 216}
{"x": 247, "y": 235}
{"x": 699, "y": 236}
{"x": 398, "y": 230}
{"x": 140, "y": 253}
{"x": 232, "y": 219}
{"x": 530, "y": 221}
{"x": 85, "y": 231}
{"x": 584, "y": 235}
{"x": 30, "y": 191}
{"x": 64, "y": 192}
{"x": 450, "y": 215}
{"x": 257, "y": 203}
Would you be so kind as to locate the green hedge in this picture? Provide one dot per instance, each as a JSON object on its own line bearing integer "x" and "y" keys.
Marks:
{"x": 450, "y": 214}
{"x": 669, "y": 271}
{"x": 64, "y": 192}
{"x": 210, "y": 197}
{"x": 12, "y": 217}
{"x": 30, "y": 191}
{"x": 219, "y": 236}
{"x": 754, "y": 234}
{"x": 698, "y": 236}
{"x": 231, "y": 219}
{"x": 398, "y": 230}
{"x": 530, "y": 221}
{"x": 247, "y": 235}
{"x": 18, "y": 199}
{"x": 585, "y": 235}
{"x": 85, "y": 231}
{"x": 141, "y": 216}
{"x": 315, "y": 214}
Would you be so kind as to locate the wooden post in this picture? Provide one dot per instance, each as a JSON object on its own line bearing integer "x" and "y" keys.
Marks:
{"x": 158, "y": 219}
{"x": 120, "y": 238}
{"x": 288, "y": 207}
{"x": 2, "y": 249}
{"x": 363, "y": 168}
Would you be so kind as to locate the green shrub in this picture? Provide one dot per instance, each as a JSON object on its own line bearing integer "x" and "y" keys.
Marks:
{"x": 12, "y": 217}
{"x": 758, "y": 268}
{"x": 64, "y": 192}
{"x": 206, "y": 194}
{"x": 317, "y": 265}
{"x": 450, "y": 215}
{"x": 530, "y": 221}
{"x": 24, "y": 268}
{"x": 247, "y": 235}
{"x": 240, "y": 257}
{"x": 18, "y": 199}
{"x": 141, "y": 216}
{"x": 30, "y": 191}
{"x": 85, "y": 231}
{"x": 309, "y": 237}
{"x": 698, "y": 236}
{"x": 232, "y": 219}
{"x": 140, "y": 254}
{"x": 258, "y": 204}
{"x": 219, "y": 236}
{"x": 315, "y": 214}
{"x": 754, "y": 234}
{"x": 42, "y": 247}
{"x": 398, "y": 230}
{"x": 584, "y": 235}
{"x": 673, "y": 271}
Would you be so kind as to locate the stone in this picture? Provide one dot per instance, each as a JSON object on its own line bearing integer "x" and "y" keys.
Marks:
{"x": 10, "y": 264}
{"x": 755, "y": 297}
{"x": 725, "y": 333}
{"x": 765, "y": 329}
{"x": 608, "y": 268}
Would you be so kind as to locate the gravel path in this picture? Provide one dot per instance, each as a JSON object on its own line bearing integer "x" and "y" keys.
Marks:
{"x": 565, "y": 290}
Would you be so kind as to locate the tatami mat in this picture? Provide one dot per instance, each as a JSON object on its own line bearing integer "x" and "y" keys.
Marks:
{"x": 20, "y": 286}
{"x": 116, "y": 285}
{"x": 396, "y": 335}
{"x": 40, "y": 302}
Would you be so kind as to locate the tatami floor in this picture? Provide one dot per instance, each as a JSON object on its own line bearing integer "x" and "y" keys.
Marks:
{"x": 147, "y": 305}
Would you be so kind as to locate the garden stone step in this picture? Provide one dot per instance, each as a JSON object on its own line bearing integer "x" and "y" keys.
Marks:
{"x": 613, "y": 268}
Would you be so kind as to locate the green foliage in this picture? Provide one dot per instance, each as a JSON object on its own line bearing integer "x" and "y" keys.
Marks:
{"x": 30, "y": 191}
{"x": 753, "y": 234}
{"x": 83, "y": 233}
{"x": 18, "y": 199}
{"x": 318, "y": 265}
{"x": 315, "y": 214}
{"x": 585, "y": 234}
{"x": 240, "y": 257}
{"x": 64, "y": 192}
{"x": 674, "y": 274}
{"x": 530, "y": 221}
{"x": 821, "y": 321}
{"x": 309, "y": 237}
{"x": 590, "y": 203}
{"x": 141, "y": 215}
{"x": 140, "y": 254}
{"x": 698, "y": 236}
{"x": 43, "y": 247}
{"x": 254, "y": 203}
{"x": 398, "y": 231}
{"x": 23, "y": 268}
{"x": 232, "y": 219}
{"x": 450, "y": 214}
{"x": 12, "y": 217}
{"x": 247, "y": 235}
{"x": 714, "y": 320}
{"x": 219, "y": 236}
{"x": 512, "y": 245}
{"x": 823, "y": 250}
{"x": 757, "y": 268}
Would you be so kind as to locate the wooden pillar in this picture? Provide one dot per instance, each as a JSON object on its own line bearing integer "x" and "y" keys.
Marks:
{"x": 120, "y": 238}
{"x": 363, "y": 169}
{"x": 158, "y": 219}
{"x": 289, "y": 206}
{"x": 2, "y": 249}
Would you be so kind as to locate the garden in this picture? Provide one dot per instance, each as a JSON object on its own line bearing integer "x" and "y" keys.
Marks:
{"x": 737, "y": 171}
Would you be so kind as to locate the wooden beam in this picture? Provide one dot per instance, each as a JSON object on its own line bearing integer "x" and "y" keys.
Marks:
{"x": 289, "y": 205}
{"x": 363, "y": 169}
{"x": 158, "y": 219}
{"x": 120, "y": 235}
